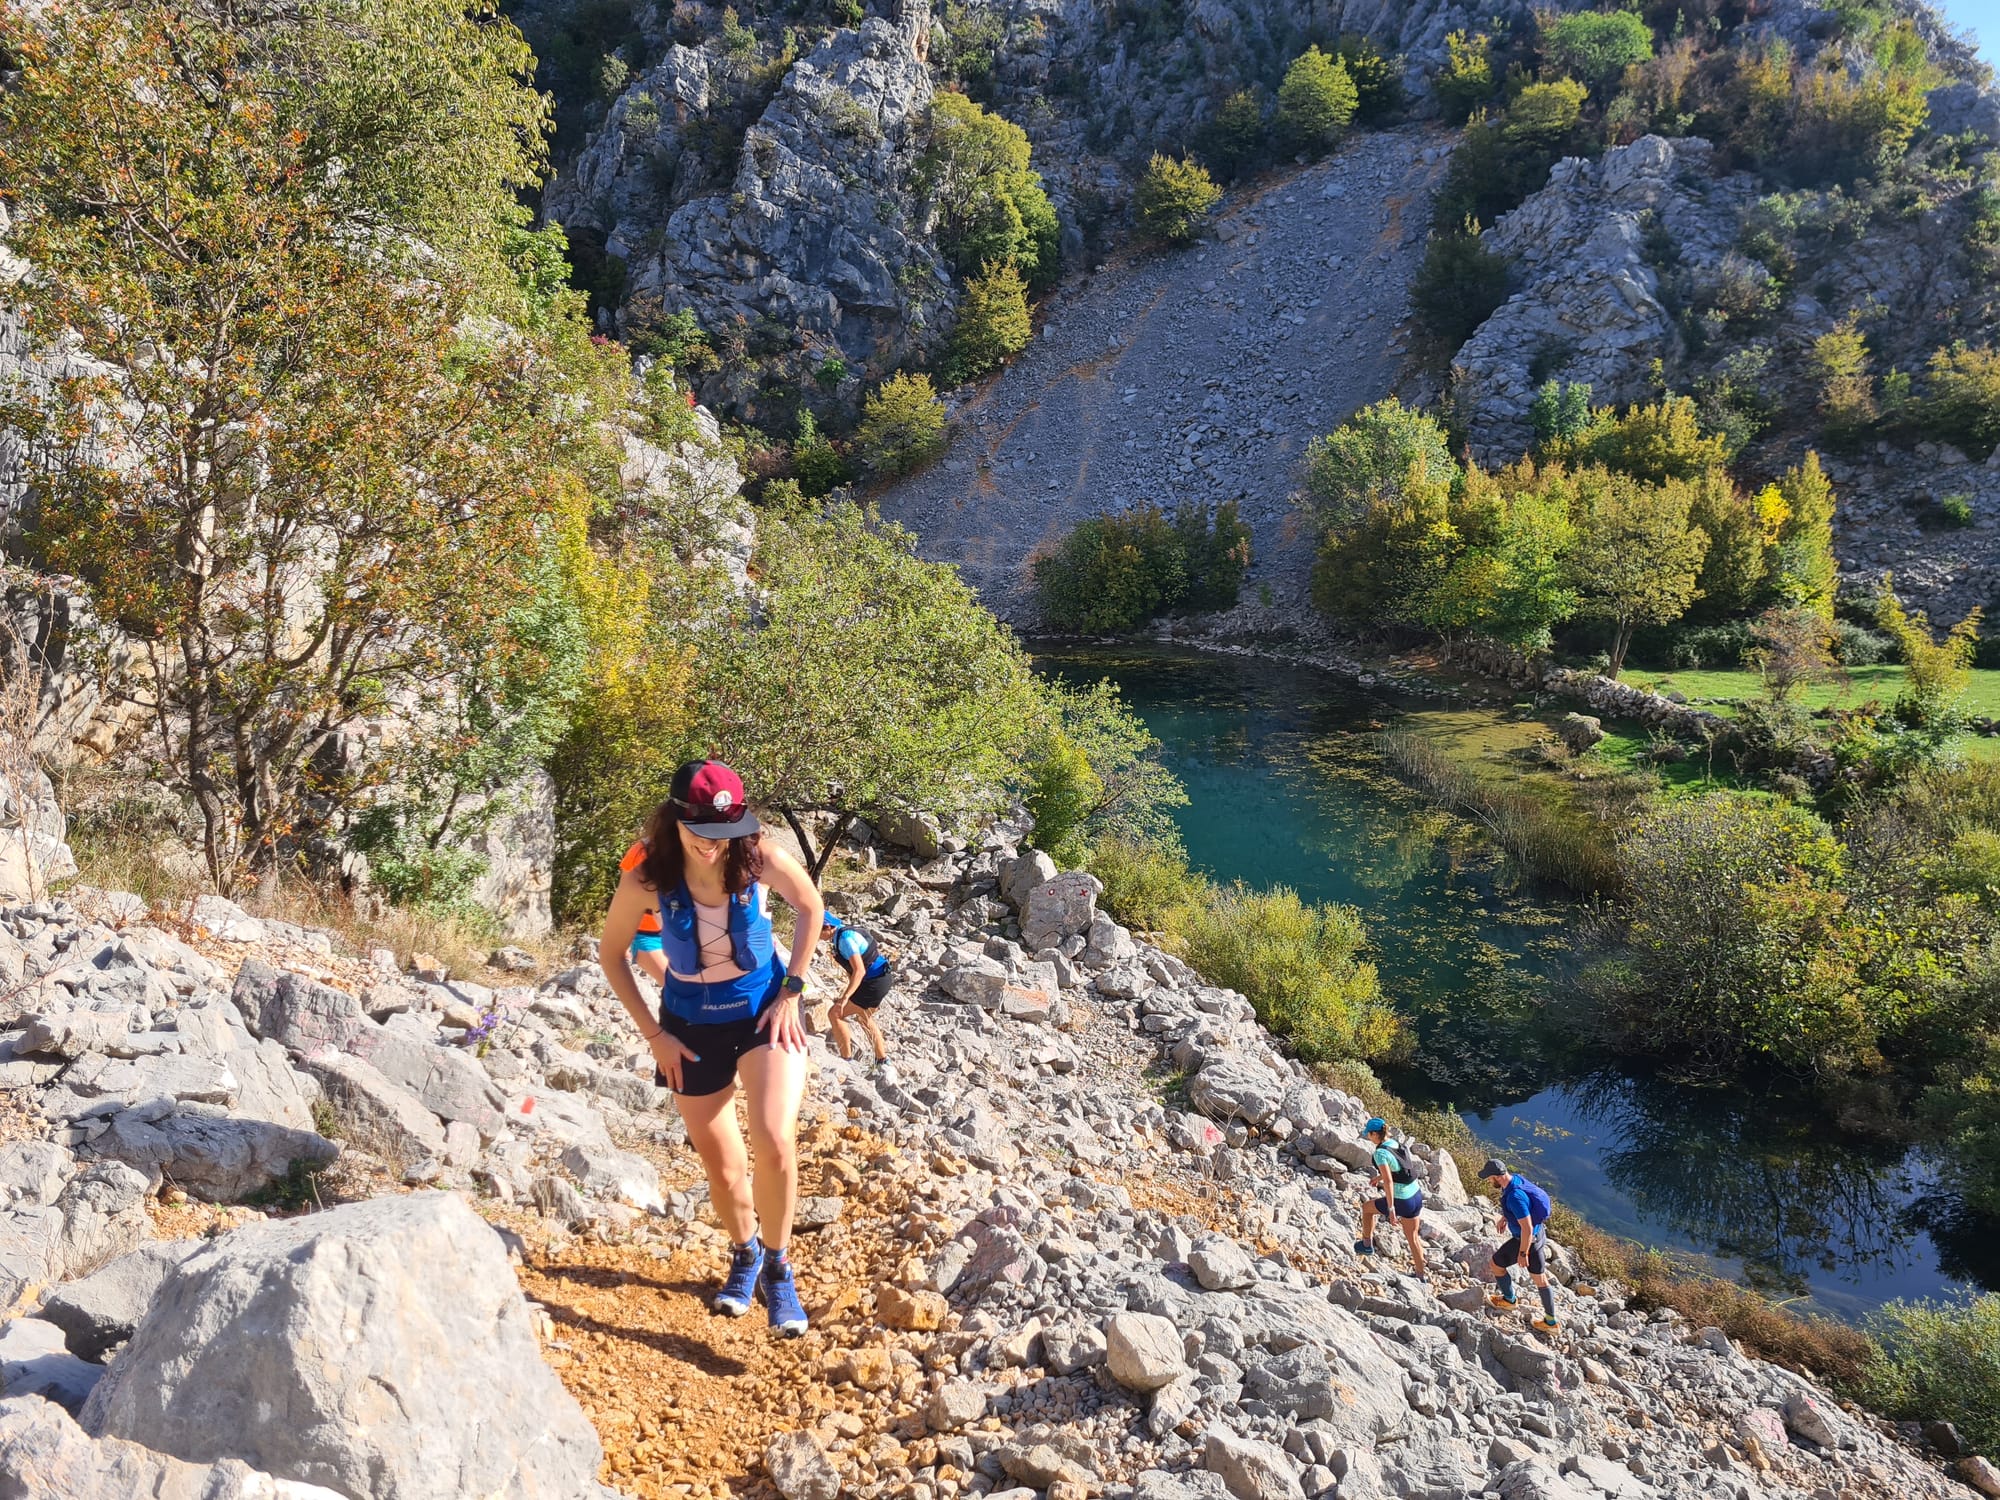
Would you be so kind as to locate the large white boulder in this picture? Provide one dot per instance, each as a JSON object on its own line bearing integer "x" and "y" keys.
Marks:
{"x": 44, "y": 1453}
{"x": 380, "y": 1349}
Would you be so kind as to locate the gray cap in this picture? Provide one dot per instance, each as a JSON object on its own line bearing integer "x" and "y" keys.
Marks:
{"x": 1494, "y": 1168}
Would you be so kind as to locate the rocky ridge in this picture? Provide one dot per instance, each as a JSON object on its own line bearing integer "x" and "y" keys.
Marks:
{"x": 1092, "y": 1238}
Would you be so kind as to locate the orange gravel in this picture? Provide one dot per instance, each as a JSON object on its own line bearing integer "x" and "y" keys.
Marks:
{"x": 685, "y": 1401}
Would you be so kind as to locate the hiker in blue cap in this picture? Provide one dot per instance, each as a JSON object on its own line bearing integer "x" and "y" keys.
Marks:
{"x": 870, "y": 977}
{"x": 1524, "y": 1217}
{"x": 1401, "y": 1197}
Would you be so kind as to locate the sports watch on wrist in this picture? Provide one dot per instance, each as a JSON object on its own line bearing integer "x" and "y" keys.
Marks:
{"x": 793, "y": 985}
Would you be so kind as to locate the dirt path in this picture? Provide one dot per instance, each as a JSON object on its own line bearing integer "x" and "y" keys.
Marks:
{"x": 1193, "y": 375}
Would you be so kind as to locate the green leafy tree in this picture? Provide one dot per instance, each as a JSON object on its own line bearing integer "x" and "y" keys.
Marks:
{"x": 1743, "y": 947}
{"x": 1316, "y": 102}
{"x": 1233, "y": 141}
{"x": 1511, "y": 580}
{"x": 1937, "y": 670}
{"x": 1964, "y": 402}
{"x": 988, "y": 202}
{"x": 1378, "y": 84}
{"x": 1638, "y": 553}
{"x": 902, "y": 424}
{"x": 1846, "y": 389}
{"x": 1596, "y": 46}
{"x": 1465, "y": 82}
{"x": 1658, "y": 441}
{"x": 1803, "y": 570}
{"x": 291, "y": 461}
{"x": 859, "y": 681}
{"x": 1173, "y": 198}
{"x": 1740, "y": 539}
{"x": 1560, "y": 412}
{"x": 1387, "y": 449}
{"x": 1113, "y": 573}
{"x": 817, "y": 464}
{"x": 1096, "y": 774}
{"x": 993, "y": 323}
{"x": 1459, "y": 285}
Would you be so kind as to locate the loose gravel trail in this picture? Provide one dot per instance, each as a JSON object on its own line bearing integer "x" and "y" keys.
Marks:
{"x": 1198, "y": 374}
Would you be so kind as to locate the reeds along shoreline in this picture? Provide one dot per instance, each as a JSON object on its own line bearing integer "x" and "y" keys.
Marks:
{"x": 1551, "y": 840}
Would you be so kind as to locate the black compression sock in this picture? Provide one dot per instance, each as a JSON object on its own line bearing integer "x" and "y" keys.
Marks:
{"x": 1549, "y": 1301}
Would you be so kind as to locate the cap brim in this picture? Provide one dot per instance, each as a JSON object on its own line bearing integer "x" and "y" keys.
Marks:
{"x": 737, "y": 828}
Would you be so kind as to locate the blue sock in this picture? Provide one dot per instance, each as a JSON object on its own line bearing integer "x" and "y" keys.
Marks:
{"x": 777, "y": 1265}
{"x": 1504, "y": 1285}
{"x": 1549, "y": 1301}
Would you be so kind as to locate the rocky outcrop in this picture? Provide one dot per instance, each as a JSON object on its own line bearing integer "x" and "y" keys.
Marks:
{"x": 1589, "y": 305}
{"x": 34, "y": 852}
{"x": 380, "y": 1348}
{"x": 818, "y": 236}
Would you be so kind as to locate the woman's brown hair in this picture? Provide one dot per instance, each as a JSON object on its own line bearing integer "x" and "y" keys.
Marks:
{"x": 665, "y": 865}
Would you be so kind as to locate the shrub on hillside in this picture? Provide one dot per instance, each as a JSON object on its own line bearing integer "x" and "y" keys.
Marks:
{"x": 993, "y": 323}
{"x": 1233, "y": 141}
{"x": 1316, "y": 102}
{"x": 1300, "y": 964}
{"x": 1173, "y": 198}
{"x": 1500, "y": 161}
{"x": 817, "y": 465}
{"x": 1597, "y": 46}
{"x": 1963, "y": 406}
{"x": 1114, "y": 573}
{"x": 1459, "y": 285}
{"x": 1846, "y": 390}
{"x": 1384, "y": 449}
{"x": 1465, "y": 82}
{"x": 902, "y": 424}
{"x": 1378, "y": 85}
{"x": 1560, "y": 412}
{"x": 1939, "y": 1361}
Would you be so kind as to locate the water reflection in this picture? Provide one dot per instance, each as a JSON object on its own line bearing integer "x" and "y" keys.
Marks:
{"x": 1287, "y": 787}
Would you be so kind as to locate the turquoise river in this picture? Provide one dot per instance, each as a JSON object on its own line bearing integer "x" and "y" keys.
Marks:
{"x": 1286, "y": 786}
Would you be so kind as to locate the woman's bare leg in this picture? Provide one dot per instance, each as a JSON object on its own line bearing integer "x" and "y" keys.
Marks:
{"x": 774, "y": 1085}
{"x": 711, "y": 1128}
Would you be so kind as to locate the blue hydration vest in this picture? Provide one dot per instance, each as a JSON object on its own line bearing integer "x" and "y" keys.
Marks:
{"x": 750, "y": 941}
{"x": 857, "y": 942}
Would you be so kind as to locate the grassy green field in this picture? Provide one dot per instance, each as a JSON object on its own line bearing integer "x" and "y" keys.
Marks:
{"x": 1861, "y": 684}
{"x": 1720, "y": 692}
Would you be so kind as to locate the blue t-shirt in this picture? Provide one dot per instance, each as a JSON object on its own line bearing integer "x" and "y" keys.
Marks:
{"x": 1521, "y": 1199}
{"x": 850, "y": 944}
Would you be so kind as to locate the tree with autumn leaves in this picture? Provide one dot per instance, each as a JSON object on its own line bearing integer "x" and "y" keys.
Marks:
{"x": 300, "y": 440}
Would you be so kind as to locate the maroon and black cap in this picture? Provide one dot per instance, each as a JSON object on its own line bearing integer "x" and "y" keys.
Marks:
{"x": 709, "y": 798}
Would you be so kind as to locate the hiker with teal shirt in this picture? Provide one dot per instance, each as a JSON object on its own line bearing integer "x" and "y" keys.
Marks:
{"x": 1400, "y": 1188}
{"x": 1524, "y": 1217}
{"x": 869, "y": 980}
{"x": 728, "y": 1013}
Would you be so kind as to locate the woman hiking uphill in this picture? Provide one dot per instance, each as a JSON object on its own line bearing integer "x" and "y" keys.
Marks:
{"x": 729, "y": 1013}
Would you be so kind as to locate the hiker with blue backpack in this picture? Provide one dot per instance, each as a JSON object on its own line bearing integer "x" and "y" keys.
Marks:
{"x": 1401, "y": 1195}
{"x": 728, "y": 1015}
{"x": 1524, "y": 1218}
{"x": 870, "y": 976}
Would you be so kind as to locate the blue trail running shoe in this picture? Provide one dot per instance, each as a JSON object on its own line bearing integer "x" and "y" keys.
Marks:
{"x": 740, "y": 1286}
{"x": 781, "y": 1296}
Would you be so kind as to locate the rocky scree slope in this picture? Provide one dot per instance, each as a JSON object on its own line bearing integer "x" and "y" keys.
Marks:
{"x": 1092, "y": 1240}
{"x": 1197, "y": 375}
